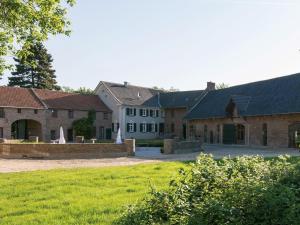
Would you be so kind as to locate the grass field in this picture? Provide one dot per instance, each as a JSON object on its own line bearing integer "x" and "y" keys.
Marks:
{"x": 78, "y": 196}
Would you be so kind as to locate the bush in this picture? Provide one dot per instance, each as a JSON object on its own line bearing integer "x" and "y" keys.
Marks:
{"x": 242, "y": 191}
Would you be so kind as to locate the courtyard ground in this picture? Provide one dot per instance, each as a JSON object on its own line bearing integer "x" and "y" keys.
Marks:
{"x": 143, "y": 155}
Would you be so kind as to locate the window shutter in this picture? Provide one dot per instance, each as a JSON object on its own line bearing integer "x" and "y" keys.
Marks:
{"x": 151, "y": 113}
{"x": 134, "y": 111}
{"x": 141, "y": 112}
{"x": 127, "y": 127}
{"x": 127, "y": 111}
{"x": 141, "y": 127}
{"x": 134, "y": 127}
{"x": 147, "y": 112}
{"x": 156, "y": 127}
{"x": 148, "y": 127}
{"x": 113, "y": 127}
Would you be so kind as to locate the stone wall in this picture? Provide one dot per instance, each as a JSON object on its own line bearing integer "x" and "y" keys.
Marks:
{"x": 173, "y": 146}
{"x": 277, "y": 129}
{"x": 57, "y": 151}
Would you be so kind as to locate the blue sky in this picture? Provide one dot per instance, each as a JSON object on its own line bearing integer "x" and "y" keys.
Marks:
{"x": 179, "y": 43}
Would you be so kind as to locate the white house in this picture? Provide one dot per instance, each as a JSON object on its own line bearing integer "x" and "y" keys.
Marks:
{"x": 136, "y": 110}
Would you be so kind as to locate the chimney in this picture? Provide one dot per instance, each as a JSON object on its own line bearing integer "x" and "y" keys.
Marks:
{"x": 211, "y": 86}
{"x": 126, "y": 84}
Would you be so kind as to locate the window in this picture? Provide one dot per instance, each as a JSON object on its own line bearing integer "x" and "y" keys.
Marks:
{"x": 130, "y": 111}
{"x": 1, "y": 132}
{"x": 70, "y": 134}
{"x": 101, "y": 133}
{"x": 265, "y": 134}
{"x": 105, "y": 116}
{"x": 54, "y": 113}
{"x": 118, "y": 126}
{"x": 218, "y": 133}
{"x": 131, "y": 127}
{"x": 53, "y": 134}
{"x": 153, "y": 127}
{"x": 2, "y": 113}
{"x": 151, "y": 113}
{"x": 157, "y": 113}
{"x": 143, "y": 112}
{"x": 19, "y": 110}
{"x": 71, "y": 114}
{"x": 205, "y": 133}
{"x": 35, "y": 111}
{"x": 172, "y": 128}
{"x": 143, "y": 127}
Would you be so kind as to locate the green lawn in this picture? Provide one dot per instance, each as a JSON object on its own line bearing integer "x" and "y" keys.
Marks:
{"x": 78, "y": 196}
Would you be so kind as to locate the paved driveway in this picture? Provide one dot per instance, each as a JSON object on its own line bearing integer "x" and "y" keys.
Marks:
{"x": 143, "y": 155}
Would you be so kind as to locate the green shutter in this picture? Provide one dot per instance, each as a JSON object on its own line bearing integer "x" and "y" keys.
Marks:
{"x": 127, "y": 111}
{"x": 127, "y": 127}
{"x": 134, "y": 127}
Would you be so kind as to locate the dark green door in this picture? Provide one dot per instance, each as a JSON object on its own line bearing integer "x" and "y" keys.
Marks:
{"x": 108, "y": 133}
{"x": 229, "y": 134}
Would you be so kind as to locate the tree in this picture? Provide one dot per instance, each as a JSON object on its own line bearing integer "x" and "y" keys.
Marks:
{"x": 85, "y": 126}
{"x": 24, "y": 22}
{"x": 81, "y": 90}
{"x": 34, "y": 70}
{"x": 222, "y": 86}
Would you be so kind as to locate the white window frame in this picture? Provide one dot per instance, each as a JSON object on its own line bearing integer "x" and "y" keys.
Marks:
{"x": 152, "y": 127}
{"x": 131, "y": 127}
{"x": 144, "y": 127}
{"x": 144, "y": 112}
{"x": 131, "y": 111}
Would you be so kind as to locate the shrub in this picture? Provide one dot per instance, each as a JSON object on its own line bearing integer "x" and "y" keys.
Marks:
{"x": 242, "y": 191}
{"x": 85, "y": 126}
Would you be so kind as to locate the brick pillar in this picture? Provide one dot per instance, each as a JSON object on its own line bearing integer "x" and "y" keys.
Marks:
{"x": 168, "y": 146}
{"x": 130, "y": 146}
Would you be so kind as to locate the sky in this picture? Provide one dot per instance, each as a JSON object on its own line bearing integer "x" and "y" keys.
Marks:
{"x": 177, "y": 43}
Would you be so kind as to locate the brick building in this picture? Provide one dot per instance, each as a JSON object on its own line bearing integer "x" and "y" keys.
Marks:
{"x": 264, "y": 113}
{"x": 34, "y": 112}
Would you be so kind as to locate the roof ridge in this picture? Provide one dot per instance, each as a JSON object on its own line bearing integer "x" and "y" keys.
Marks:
{"x": 131, "y": 85}
{"x": 38, "y": 97}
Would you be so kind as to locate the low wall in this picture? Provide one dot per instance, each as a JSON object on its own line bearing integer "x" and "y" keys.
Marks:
{"x": 173, "y": 146}
{"x": 62, "y": 151}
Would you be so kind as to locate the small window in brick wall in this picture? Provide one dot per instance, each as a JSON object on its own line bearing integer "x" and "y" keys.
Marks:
{"x": 1, "y": 132}
{"x": 2, "y": 113}
{"x": 35, "y": 111}
{"x": 19, "y": 110}
{"x": 105, "y": 116}
{"x": 71, "y": 114}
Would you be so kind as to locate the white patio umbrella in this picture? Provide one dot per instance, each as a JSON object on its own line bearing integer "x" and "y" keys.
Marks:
{"x": 61, "y": 136}
{"x": 119, "y": 139}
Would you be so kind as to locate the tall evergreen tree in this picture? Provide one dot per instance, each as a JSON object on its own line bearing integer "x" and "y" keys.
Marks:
{"x": 34, "y": 70}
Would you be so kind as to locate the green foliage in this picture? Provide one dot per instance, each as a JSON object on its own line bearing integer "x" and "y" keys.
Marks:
{"x": 23, "y": 23}
{"x": 34, "y": 70}
{"x": 222, "y": 86}
{"x": 81, "y": 90}
{"x": 243, "y": 191}
{"x": 77, "y": 196}
{"x": 85, "y": 126}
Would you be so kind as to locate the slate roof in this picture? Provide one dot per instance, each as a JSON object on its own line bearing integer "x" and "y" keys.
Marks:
{"x": 269, "y": 97}
{"x": 132, "y": 95}
{"x": 180, "y": 99}
{"x": 74, "y": 101}
{"x": 17, "y": 97}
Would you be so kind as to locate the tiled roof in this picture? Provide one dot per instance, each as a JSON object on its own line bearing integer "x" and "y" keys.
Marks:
{"x": 129, "y": 94}
{"x": 63, "y": 100}
{"x": 269, "y": 97}
{"x": 180, "y": 99}
{"x": 40, "y": 99}
{"x": 19, "y": 98}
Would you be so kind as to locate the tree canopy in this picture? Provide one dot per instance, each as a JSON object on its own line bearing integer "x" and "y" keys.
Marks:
{"x": 34, "y": 70}
{"x": 24, "y": 22}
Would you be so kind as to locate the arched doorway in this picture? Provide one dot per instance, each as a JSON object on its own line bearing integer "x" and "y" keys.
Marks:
{"x": 23, "y": 129}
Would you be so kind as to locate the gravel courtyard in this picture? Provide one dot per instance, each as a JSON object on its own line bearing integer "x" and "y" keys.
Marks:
{"x": 143, "y": 155}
